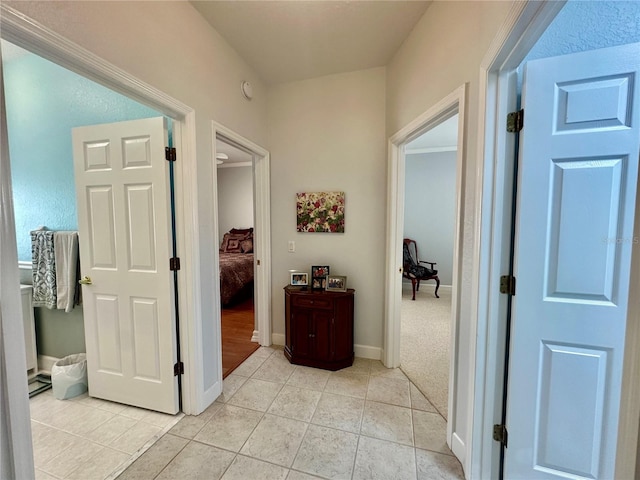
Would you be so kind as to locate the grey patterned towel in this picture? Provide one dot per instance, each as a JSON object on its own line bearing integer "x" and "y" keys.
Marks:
{"x": 44, "y": 269}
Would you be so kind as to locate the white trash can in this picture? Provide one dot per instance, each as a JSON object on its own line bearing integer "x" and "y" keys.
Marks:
{"x": 69, "y": 376}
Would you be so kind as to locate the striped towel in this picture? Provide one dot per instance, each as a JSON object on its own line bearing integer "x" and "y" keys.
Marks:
{"x": 44, "y": 269}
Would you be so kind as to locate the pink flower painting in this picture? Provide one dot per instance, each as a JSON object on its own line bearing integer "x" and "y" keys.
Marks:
{"x": 320, "y": 212}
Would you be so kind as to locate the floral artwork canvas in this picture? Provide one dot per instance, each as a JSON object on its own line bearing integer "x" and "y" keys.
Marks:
{"x": 320, "y": 212}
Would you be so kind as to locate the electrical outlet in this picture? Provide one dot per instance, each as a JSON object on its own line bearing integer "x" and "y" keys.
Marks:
{"x": 292, "y": 246}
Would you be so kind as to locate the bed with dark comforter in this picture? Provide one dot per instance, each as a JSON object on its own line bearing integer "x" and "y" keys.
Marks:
{"x": 236, "y": 264}
{"x": 236, "y": 274}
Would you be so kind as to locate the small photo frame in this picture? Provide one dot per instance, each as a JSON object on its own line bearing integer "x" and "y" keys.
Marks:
{"x": 336, "y": 283}
{"x": 319, "y": 271}
{"x": 318, "y": 283}
{"x": 300, "y": 279}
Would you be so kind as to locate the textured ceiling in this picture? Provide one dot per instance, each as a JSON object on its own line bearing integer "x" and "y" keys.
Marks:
{"x": 294, "y": 40}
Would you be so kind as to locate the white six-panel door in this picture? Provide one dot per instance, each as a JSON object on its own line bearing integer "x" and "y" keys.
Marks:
{"x": 577, "y": 188}
{"x": 125, "y": 238}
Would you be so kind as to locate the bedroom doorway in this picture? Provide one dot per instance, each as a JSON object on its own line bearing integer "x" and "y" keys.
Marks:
{"x": 429, "y": 220}
{"x": 448, "y": 107}
{"x": 241, "y": 176}
{"x": 235, "y": 237}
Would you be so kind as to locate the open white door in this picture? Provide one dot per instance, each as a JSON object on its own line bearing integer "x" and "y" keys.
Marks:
{"x": 125, "y": 236}
{"x": 576, "y": 208}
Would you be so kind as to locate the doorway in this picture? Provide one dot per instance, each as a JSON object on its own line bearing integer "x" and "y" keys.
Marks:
{"x": 242, "y": 222}
{"x": 429, "y": 220}
{"x": 448, "y": 107}
{"x": 44, "y": 192}
{"x": 236, "y": 258}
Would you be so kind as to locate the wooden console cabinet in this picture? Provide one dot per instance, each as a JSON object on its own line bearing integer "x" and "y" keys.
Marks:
{"x": 319, "y": 328}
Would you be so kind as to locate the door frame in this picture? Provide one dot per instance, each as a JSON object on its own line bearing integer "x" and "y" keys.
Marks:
{"x": 30, "y": 35}
{"x": 522, "y": 28}
{"x": 444, "y": 109}
{"x": 262, "y": 231}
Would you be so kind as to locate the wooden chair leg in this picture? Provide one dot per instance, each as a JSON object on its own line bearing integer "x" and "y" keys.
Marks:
{"x": 437, "y": 285}
{"x": 413, "y": 287}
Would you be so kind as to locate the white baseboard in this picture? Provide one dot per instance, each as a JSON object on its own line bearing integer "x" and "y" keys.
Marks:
{"x": 45, "y": 363}
{"x": 367, "y": 351}
{"x": 443, "y": 288}
{"x": 278, "y": 338}
{"x": 255, "y": 337}
{"x": 458, "y": 448}
{"x": 208, "y": 398}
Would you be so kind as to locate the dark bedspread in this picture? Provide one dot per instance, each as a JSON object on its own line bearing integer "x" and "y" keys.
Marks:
{"x": 236, "y": 272}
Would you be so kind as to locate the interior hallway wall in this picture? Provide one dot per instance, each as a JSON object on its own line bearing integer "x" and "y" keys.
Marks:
{"x": 327, "y": 134}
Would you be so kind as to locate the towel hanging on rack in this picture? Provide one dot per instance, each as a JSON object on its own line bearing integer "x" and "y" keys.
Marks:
{"x": 66, "y": 258}
{"x": 44, "y": 269}
{"x": 55, "y": 266}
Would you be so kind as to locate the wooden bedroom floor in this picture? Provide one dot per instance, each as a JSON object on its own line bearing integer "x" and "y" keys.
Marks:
{"x": 237, "y": 330}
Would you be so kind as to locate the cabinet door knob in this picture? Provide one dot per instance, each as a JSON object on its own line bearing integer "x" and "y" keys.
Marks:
{"x": 312, "y": 335}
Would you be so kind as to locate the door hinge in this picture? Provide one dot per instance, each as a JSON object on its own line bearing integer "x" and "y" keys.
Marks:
{"x": 170, "y": 154}
{"x": 174, "y": 263}
{"x": 178, "y": 369}
{"x": 500, "y": 434}
{"x": 515, "y": 121}
{"x": 508, "y": 284}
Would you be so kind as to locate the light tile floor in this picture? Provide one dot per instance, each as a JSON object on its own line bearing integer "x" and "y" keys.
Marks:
{"x": 86, "y": 438}
{"x": 275, "y": 420}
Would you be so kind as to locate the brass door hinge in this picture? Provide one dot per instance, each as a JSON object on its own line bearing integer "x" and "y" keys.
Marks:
{"x": 508, "y": 284}
{"x": 500, "y": 434}
{"x": 174, "y": 263}
{"x": 515, "y": 121}
{"x": 170, "y": 154}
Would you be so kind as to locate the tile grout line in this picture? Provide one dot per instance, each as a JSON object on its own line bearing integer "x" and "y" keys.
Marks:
{"x": 138, "y": 453}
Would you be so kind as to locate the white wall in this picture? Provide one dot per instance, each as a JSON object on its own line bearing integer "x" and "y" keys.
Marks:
{"x": 444, "y": 51}
{"x": 327, "y": 134}
{"x": 430, "y": 208}
{"x": 235, "y": 199}
{"x": 171, "y": 47}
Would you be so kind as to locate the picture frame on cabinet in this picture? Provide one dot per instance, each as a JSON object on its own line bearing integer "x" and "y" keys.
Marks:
{"x": 319, "y": 271}
{"x": 299, "y": 279}
{"x": 319, "y": 277}
{"x": 318, "y": 283}
{"x": 336, "y": 283}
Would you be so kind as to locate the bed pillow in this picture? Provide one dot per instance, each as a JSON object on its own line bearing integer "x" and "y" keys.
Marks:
{"x": 231, "y": 243}
{"x": 246, "y": 245}
{"x": 248, "y": 232}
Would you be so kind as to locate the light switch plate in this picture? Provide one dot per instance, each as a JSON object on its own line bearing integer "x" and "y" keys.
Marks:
{"x": 292, "y": 246}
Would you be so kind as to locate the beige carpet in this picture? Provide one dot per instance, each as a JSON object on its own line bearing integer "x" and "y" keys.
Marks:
{"x": 424, "y": 342}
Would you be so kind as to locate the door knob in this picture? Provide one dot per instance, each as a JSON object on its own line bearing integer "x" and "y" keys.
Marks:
{"x": 85, "y": 281}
